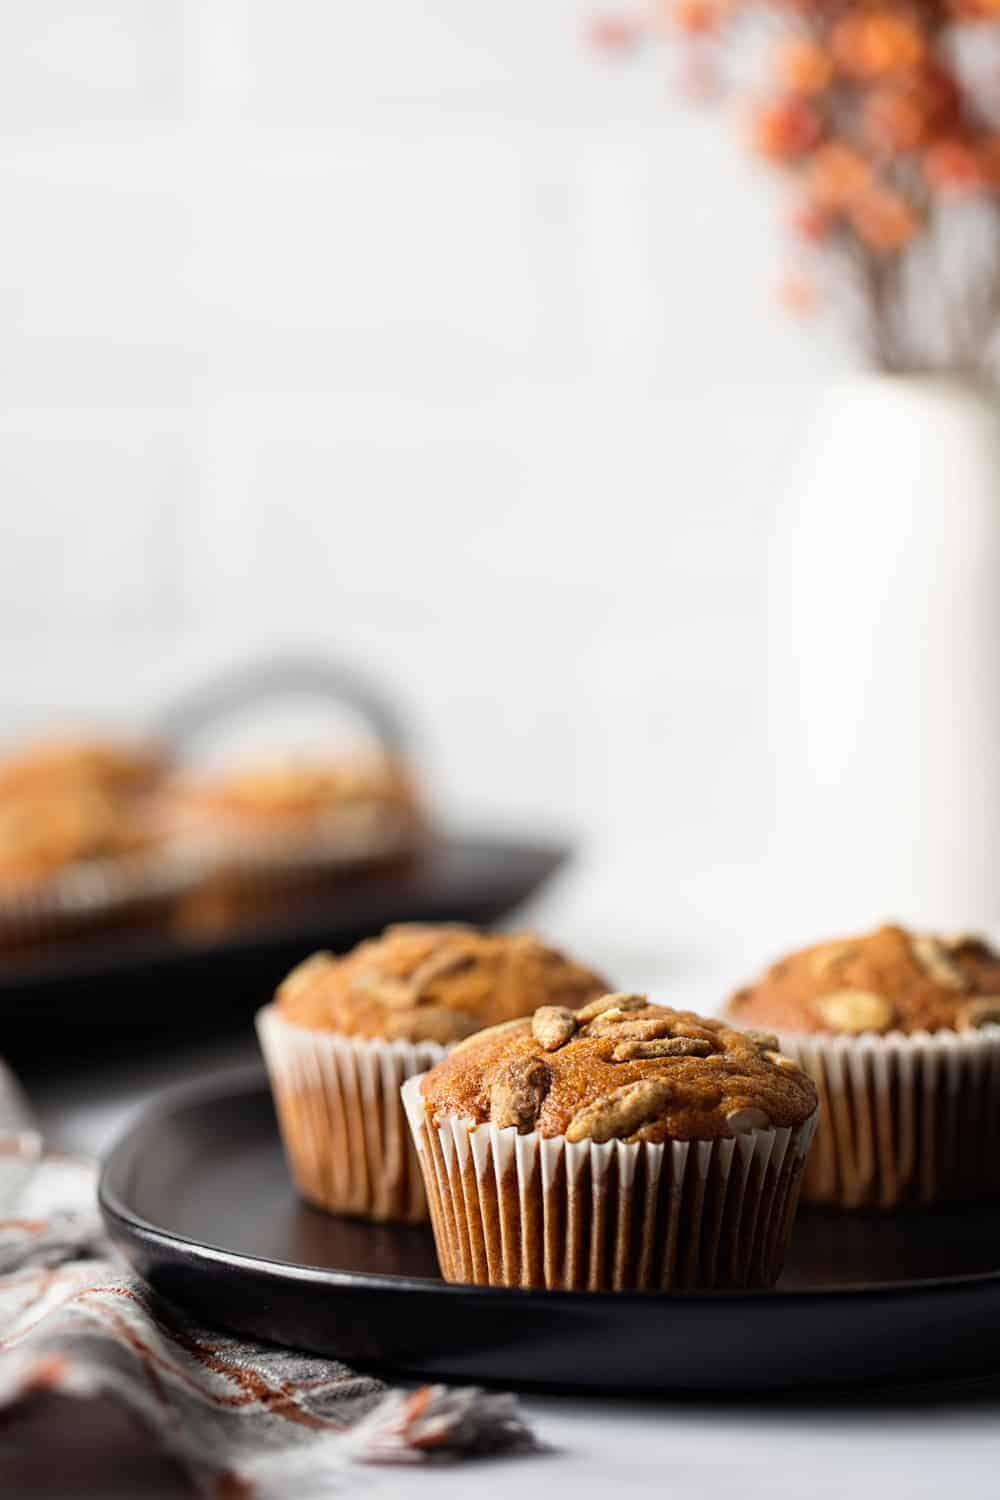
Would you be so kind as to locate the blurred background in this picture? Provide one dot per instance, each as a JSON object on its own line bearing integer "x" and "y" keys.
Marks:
{"x": 422, "y": 337}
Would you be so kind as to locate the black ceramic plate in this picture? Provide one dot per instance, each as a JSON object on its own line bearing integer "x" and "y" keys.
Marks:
{"x": 96, "y": 985}
{"x": 198, "y": 1198}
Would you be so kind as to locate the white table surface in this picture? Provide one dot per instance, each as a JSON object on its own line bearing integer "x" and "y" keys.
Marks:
{"x": 909, "y": 1444}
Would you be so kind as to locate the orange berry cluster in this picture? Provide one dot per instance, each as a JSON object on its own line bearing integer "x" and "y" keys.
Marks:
{"x": 870, "y": 108}
{"x": 871, "y": 116}
{"x": 873, "y": 120}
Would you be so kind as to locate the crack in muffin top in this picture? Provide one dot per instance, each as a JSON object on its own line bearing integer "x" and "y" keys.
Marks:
{"x": 620, "y": 1068}
{"x": 427, "y": 982}
{"x": 888, "y": 980}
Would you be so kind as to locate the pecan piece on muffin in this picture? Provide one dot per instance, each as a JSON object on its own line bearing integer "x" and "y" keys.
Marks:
{"x": 648, "y": 1148}
{"x": 901, "y": 1032}
{"x": 343, "y": 1033}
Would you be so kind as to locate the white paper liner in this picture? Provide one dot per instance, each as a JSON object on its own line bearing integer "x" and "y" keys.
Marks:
{"x": 522, "y": 1210}
{"x": 903, "y": 1119}
{"x": 92, "y": 893}
{"x": 341, "y": 1117}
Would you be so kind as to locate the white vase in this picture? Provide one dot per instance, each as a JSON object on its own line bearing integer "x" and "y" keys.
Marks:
{"x": 885, "y": 659}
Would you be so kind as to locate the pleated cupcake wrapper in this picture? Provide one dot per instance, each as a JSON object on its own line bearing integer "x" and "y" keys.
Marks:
{"x": 91, "y": 893}
{"x": 341, "y": 1117}
{"x": 523, "y": 1210}
{"x": 903, "y": 1119}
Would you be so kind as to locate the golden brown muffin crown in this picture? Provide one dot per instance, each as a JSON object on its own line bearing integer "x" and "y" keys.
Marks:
{"x": 620, "y": 1069}
{"x": 432, "y": 983}
{"x": 887, "y": 980}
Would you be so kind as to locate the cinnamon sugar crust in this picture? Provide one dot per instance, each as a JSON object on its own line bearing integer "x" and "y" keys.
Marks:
{"x": 630, "y": 1071}
{"x": 432, "y": 983}
{"x": 888, "y": 980}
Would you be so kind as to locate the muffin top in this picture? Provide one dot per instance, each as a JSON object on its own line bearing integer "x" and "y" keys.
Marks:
{"x": 887, "y": 980}
{"x": 432, "y": 983}
{"x": 43, "y": 833}
{"x": 294, "y": 791}
{"x": 112, "y": 766}
{"x": 622, "y": 1069}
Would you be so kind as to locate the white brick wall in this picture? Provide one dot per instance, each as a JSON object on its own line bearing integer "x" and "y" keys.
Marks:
{"x": 418, "y": 335}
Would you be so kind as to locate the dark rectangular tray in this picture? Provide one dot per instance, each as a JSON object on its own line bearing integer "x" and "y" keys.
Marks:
{"x": 143, "y": 982}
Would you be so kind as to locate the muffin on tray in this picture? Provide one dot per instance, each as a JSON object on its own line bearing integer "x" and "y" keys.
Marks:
{"x": 343, "y": 1033}
{"x": 626, "y": 1146}
{"x": 72, "y": 858}
{"x": 45, "y": 833}
{"x": 339, "y": 799}
{"x": 268, "y": 834}
{"x": 901, "y": 1033}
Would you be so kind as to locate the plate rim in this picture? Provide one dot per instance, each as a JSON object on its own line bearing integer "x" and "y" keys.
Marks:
{"x": 252, "y": 1078}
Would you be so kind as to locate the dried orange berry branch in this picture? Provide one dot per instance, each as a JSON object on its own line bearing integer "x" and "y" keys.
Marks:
{"x": 884, "y": 118}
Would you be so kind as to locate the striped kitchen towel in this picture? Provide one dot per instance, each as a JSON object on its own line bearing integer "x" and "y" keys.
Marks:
{"x": 245, "y": 1419}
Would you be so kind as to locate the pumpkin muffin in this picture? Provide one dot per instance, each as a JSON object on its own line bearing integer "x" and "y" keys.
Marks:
{"x": 269, "y": 834}
{"x": 295, "y": 797}
{"x": 901, "y": 1032}
{"x": 624, "y": 1146}
{"x": 46, "y": 833}
{"x": 73, "y": 858}
{"x": 343, "y": 1033}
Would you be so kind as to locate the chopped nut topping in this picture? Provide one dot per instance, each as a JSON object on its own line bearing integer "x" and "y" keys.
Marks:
{"x": 631, "y": 1079}
{"x": 621, "y": 1112}
{"x": 679, "y": 1046}
{"x": 781, "y": 1061}
{"x": 935, "y": 961}
{"x": 741, "y": 1120}
{"x": 403, "y": 984}
{"x": 440, "y": 966}
{"x": 982, "y": 1012}
{"x": 622, "y": 1027}
{"x": 617, "y": 1001}
{"x": 516, "y": 1096}
{"x": 962, "y": 940}
{"x": 305, "y": 973}
{"x": 923, "y": 978}
{"x": 552, "y": 1026}
{"x": 829, "y": 956}
{"x": 693, "y": 1029}
{"x": 765, "y": 1040}
{"x": 397, "y": 994}
{"x": 855, "y": 1011}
